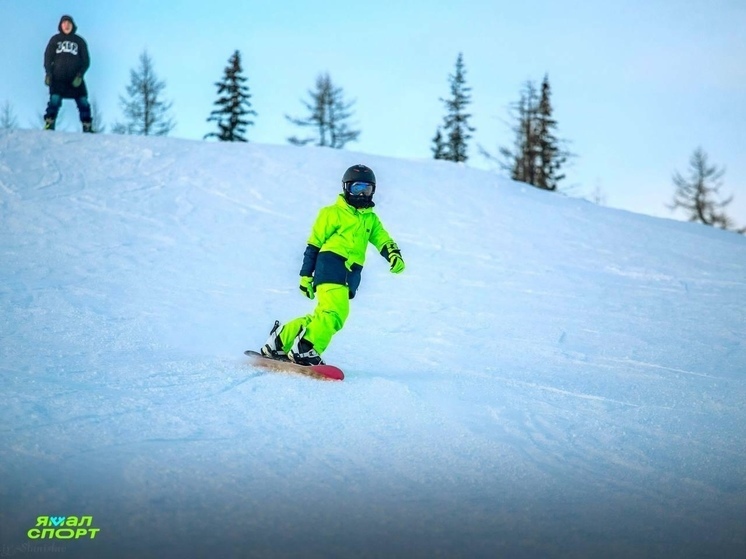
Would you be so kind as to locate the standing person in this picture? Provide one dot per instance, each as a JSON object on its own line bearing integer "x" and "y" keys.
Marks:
{"x": 66, "y": 62}
{"x": 331, "y": 270}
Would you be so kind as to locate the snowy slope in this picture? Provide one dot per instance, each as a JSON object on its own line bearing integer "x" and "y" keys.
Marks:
{"x": 547, "y": 378}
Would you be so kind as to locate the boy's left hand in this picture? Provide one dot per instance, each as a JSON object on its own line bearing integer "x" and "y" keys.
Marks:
{"x": 396, "y": 261}
{"x": 392, "y": 253}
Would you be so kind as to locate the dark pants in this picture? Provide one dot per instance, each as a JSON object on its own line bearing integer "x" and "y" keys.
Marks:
{"x": 55, "y": 102}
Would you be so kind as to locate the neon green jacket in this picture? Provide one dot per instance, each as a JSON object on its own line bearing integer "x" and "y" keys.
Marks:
{"x": 346, "y": 231}
{"x": 338, "y": 241}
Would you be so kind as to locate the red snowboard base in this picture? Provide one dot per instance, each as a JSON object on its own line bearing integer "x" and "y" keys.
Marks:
{"x": 321, "y": 372}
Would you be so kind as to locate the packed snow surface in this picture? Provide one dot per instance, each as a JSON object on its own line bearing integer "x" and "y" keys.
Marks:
{"x": 547, "y": 378}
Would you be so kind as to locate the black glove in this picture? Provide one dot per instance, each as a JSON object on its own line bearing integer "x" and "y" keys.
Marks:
{"x": 47, "y": 80}
{"x": 77, "y": 80}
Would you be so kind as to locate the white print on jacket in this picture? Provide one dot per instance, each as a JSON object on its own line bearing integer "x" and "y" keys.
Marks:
{"x": 67, "y": 46}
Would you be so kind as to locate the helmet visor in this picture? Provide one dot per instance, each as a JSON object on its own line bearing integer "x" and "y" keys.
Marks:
{"x": 360, "y": 188}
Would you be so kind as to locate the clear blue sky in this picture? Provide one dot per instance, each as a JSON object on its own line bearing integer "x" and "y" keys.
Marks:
{"x": 637, "y": 85}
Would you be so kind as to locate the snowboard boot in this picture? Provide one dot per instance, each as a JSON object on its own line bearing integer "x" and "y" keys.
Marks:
{"x": 88, "y": 127}
{"x": 49, "y": 123}
{"x": 303, "y": 352}
{"x": 273, "y": 347}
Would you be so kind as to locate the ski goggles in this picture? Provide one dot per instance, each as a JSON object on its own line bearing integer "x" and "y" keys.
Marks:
{"x": 361, "y": 188}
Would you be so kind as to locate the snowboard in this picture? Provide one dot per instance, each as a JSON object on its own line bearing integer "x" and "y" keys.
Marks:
{"x": 321, "y": 372}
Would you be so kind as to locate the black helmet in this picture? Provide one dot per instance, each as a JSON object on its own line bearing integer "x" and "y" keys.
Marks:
{"x": 354, "y": 196}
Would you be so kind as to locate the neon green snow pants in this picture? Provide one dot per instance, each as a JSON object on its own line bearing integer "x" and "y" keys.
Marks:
{"x": 330, "y": 314}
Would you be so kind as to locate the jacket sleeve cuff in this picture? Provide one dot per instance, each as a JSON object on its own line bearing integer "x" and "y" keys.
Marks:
{"x": 390, "y": 248}
{"x": 309, "y": 260}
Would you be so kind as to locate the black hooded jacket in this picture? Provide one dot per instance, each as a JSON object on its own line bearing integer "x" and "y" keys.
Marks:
{"x": 66, "y": 56}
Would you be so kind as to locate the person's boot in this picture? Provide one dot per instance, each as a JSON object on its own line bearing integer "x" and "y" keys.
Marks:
{"x": 88, "y": 127}
{"x": 303, "y": 351}
{"x": 273, "y": 347}
{"x": 49, "y": 123}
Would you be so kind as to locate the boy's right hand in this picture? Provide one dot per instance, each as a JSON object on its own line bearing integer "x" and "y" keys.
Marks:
{"x": 306, "y": 286}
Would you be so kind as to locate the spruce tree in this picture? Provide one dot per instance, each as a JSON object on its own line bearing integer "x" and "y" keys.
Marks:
{"x": 233, "y": 104}
{"x": 145, "y": 111}
{"x": 521, "y": 161}
{"x": 439, "y": 148}
{"x": 96, "y": 116}
{"x": 328, "y": 114}
{"x": 550, "y": 156}
{"x": 697, "y": 194}
{"x": 8, "y": 119}
{"x": 537, "y": 155}
{"x": 456, "y": 122}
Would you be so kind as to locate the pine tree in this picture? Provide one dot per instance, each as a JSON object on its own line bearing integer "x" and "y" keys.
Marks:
{"x": 697, "y": 194}
{"x": 439, "y": 148}
{"x": 537, "y": 155}
{"x": 233, "y": 104}
{"x": 550, "y": 156}
{"x": 329, "y": 113}
{"x": 146, "y": 113}
{"x": 98, "y": 120}
{"x": 8, "y": 120}
{"x": 456, "y": 122}
{"x": 521, "y": 161}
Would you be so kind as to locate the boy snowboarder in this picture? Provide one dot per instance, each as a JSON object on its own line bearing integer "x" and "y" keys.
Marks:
{"x": 331, "y": 270}
{"x": 66, "y": 62}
